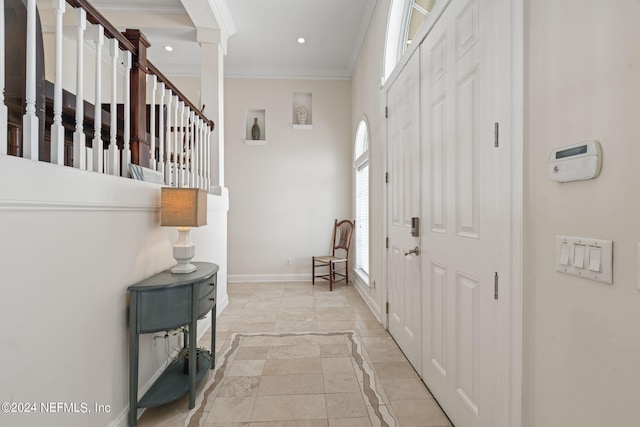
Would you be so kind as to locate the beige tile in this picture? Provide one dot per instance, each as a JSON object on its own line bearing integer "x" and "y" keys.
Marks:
{"x": 244, "y": 326}
{"x": 341, "y": 383}
{"x": 375, "y": 418}
{"x": 387, "y": 370}
{"x": 350, "y": 422}
{"x": 280, "y": 408}
{"x": 331, "y": 339}
{"x": 246, "y": 368}
{"x": 231, "y": 409}
{"x": 208, "y": 424}
{"x": 345, "y": 405}
{"x": 295, "y": 340}
{"x": 292, "y": 366}
{"x": 333, "y": 365}
{"x": 406, "y": 389}
{"x": 294, "y": 352}
{"x": 337, "y": 325}
{"x": 379, "y": 342}
{"x": 252, "y": 353}
{"x": 288, "y": 325}
{"x": 296, "y": 423}
{"x": 256, "y": 341}
{"x": 334, "y": 350}
{"x": 385, "y": 354}
{"x": 169, "y": 415}
{"x": 239, "y": 386}
{"x": 423, "y": 413}
{"x": 291, "y": 384}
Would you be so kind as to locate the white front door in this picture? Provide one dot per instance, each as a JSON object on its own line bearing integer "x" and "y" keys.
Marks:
{"x": 466, "y": 209}
{"x": 403, "y": 167}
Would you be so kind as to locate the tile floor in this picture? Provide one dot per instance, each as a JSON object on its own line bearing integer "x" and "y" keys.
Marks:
{"x": 293, "y": 354}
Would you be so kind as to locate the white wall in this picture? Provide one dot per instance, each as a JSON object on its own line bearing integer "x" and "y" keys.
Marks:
{"x": 286, "y": 194}
{"x": 73, "y": 241}
{"x": 582, "y": 338}
{"x": 368, "y": 100}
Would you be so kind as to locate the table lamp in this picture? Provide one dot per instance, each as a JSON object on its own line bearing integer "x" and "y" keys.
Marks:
{"x": 183, "y": 208}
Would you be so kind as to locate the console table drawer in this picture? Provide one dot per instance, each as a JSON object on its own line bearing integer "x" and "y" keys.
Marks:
{"x": 160, "y": 310}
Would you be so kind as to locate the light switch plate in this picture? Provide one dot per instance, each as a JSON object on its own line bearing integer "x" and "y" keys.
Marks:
{"x": 605, "y": 247}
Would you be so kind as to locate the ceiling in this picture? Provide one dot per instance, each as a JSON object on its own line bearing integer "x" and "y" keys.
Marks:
{"x": 264, "y": 43}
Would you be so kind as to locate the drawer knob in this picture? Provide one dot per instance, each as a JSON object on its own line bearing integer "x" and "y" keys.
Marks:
{"x": 212, "y": 299}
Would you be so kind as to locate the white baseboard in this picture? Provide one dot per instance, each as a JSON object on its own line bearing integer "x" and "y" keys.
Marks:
{"x": 300, "y": 277}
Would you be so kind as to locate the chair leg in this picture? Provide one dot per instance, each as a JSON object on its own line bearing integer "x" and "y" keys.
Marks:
{"x": 347, "y": 266}
{"x": 313, "y": 270}
{"x": 331, "y": 272}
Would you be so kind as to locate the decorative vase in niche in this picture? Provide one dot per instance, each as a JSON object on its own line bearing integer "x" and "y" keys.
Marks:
{"x": 301, "y": 114}
{"x": 255, "y": 129}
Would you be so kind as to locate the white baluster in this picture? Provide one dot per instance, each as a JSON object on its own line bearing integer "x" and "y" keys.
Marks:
{"x": 197, "y": 154}
{"x": 3, "y": 106}
{"x": 161, "y": 130}
{"x": 152, "y": 122}
{"x": 187, "y": 136}
{"x": 169, "y": 137}
{"x": 176, "y": 136}
{"x": 98, "y": 155}
{"x": 114, "y": 152}
{"x": 79, "y": 140}
{"x": 181, "y": 146}
{"x": 201, "y": 154}
{"x": 207, "y": 159}
{"x": 57, "y": 130}
{"x": 30, "y": 134}
{"x": 126, "y": 149}
{"x": 192, "y": 156}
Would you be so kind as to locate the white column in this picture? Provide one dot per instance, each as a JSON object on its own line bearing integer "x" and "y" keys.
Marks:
{"x": 97, "y": 116}
{"x": 79, "y": 140}
{"x": 57, "y": 130}
{"x": 3, "y": 106}
{"x": 126, "y": 96}
{"x": 212, "y": 95}
{"x": 114, "y": 152}
{"x": 168, "y": 160}
{"x": 152, "y": 121}
{"x": 30, "y": 134}
{"x": 162, "y": 130}
{"x": 207, "y": 164}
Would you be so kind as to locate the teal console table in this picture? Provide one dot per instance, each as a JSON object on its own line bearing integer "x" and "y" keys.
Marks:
{"x": 163, "y": 302}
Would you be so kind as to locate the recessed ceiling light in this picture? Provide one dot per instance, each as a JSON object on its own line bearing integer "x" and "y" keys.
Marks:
{"x": 301, "y": 40}
{"x": 168, "y": 48}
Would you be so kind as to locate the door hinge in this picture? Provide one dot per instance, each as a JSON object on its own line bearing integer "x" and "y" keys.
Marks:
{"x": 386, "y": 177}
{"x": 386, "y": 112}
{"x": 387, "y": 243}
{"x": 387, "y": 308}
{"x": 495, "y": 286}
{"x": 496, "y": 134}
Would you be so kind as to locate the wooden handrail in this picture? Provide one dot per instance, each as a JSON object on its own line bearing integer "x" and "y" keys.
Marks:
{"x": 95, "y": 17}
{"x": 153, "y": 69}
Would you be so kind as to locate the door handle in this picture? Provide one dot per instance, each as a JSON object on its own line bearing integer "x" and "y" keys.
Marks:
{"x": 415, "y": 251}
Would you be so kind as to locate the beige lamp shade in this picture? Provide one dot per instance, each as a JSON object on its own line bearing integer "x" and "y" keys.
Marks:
{"x": 183, "y": 207}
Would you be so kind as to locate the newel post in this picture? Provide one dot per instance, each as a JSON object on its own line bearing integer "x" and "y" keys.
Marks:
{"x": 140, "y": 147}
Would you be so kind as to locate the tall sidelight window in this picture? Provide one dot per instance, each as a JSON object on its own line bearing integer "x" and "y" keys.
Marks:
{"x": 405, "y": 19}
{"x": 361, "y": 167}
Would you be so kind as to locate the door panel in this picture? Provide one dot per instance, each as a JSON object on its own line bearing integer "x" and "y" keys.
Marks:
{"x": 464, "y": 352}
{"x": 404, "y": 279}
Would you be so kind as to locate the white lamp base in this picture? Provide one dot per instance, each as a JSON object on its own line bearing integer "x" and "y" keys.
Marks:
{"x": 183, "y": 251}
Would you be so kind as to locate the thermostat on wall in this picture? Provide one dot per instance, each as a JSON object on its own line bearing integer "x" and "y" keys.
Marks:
{"x": 576, "y": 162}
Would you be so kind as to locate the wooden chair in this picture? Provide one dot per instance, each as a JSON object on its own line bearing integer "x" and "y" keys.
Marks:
{"x": 342, "y": 233}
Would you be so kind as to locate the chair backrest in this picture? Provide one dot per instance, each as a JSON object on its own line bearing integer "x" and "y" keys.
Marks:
{"x": 342, "y": 233}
